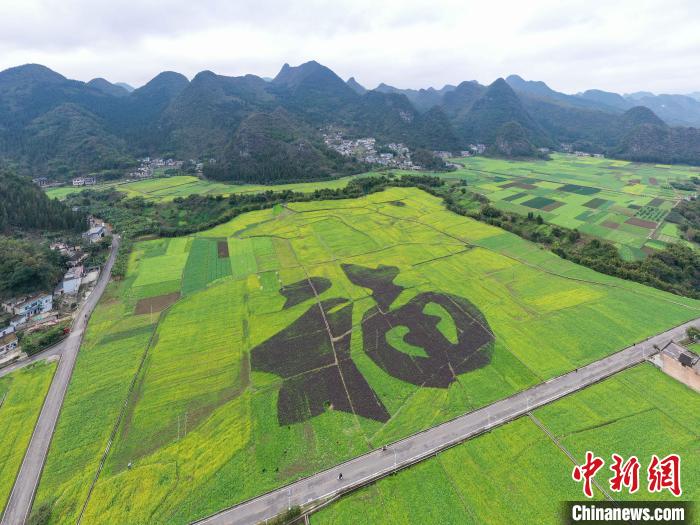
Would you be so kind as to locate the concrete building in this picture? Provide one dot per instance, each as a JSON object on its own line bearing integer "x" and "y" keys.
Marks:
{"x": 8, "y": 343}
{"x": 72, "y": 280}
{"x": 95, "y": 234}
{"x": 28, "y": 306}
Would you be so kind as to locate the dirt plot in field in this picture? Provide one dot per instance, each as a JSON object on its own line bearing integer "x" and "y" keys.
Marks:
{"x": 303, "y": 290}
{"x": 312, "y": 355}
{"x": 632, "y": 182}
{"x": 595, "y": 203}
{"x": 552, "y": 206}
{"x": 642, "y": 223}
{"x": 656, "y": 202}
{"x": 653, "y": 181}
{"x": 444, "y": 359}
{"x": 379, "y": 280}
{"x": 521, "y": 185}
{"x": 156, "y": 304}
{"x": 515, "y": 197}
{"x": 222, "y": 248}
{"x": 318, "y": 373}
{"x": 579, "y": 190}
{"x": 539, "y": 203}
{"x": 610, "y": 224}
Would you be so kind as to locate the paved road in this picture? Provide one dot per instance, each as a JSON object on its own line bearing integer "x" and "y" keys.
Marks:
{"x": 22, "y": 496}
{"x": 417, "y": 447}
{"x": 52, "y": 351}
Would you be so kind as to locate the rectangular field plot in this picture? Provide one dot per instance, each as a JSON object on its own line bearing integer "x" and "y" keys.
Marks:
{"x": 518, "y": 474}
{"x": 207, "y": 262}
{"x": 332, "y": 327}
{"x": 567, "y": 189}
{"x": 21, "y": 397}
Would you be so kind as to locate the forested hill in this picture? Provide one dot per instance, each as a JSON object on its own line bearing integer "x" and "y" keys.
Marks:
{"x": 24, "y": 206}
{"x": 260, "y": 130}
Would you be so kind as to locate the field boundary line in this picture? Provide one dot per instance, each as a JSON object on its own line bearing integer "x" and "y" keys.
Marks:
{"x": 117, "y": 424}
{"x": 566, "y": 451}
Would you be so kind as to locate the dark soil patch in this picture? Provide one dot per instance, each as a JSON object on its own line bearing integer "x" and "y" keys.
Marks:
{"x": 656, "y": 202}
{"x": 610, "y": 224}
{"x": 156, "y": 304}
{"x": 301, "y": 291}
{"x": 315, "y": 381}
{"x": 632, "y": 182}
{"x": 539, "y": 203}
{"x": 515, "y": 197}
{"x": 595, "y": 203}
{"x": 445, "y": 360}
{"x": 400, "y": 204}
{"x": 519, "y": 184}
{"x": 653, "y": 181}
{"x": 126, "y": 334}
{"x": 553, "y": 206}
{"x": 579, "y": 190}
{"x": 222, "y": 248}
{"x": 380, "y": 281}
{"x": 642, "y": 223}
{"x": 319, "y": 374}
{"x": 634, "y": 207}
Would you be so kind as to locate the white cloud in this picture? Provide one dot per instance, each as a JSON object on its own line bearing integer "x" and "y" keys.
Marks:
{"x": 623, "y": 46}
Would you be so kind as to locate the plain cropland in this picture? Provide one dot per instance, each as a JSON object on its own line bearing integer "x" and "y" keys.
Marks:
{"x": 165, "y": 188}
{"x": 204, "y": 414}
{"x": 623, "y": 202}
{"x": 21, "y": 395}
{"x": 521, "y": 472}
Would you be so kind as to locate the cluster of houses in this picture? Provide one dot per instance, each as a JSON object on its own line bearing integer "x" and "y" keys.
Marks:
{"x": 37, "y": 310}
{"x": 365, "y": 150}
{"x": 148, "y": 165}
{"x": 24, "y": 310}
{"x": 84, "y": 181}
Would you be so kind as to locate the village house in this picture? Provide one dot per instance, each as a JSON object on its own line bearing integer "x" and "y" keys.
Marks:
{"x": 8, "y": 343}
{"x": 84, "y": 181}
{"x": 95, "y": 234}
{"x": 29, "y": 306}
{"x": 72, "y": 280}
{"x": 41, "y": 181}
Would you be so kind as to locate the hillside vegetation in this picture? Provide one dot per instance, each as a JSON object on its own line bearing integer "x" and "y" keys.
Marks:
{"x": 270, "y": 131}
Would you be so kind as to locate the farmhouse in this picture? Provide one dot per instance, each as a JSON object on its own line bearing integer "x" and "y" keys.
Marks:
{"x": 84, "y": 181}
{"x": 72, "y": 280}
{"x": 8, "y": 343}
{"x": 29, "y": 306}
{"x": 95, "y": 234}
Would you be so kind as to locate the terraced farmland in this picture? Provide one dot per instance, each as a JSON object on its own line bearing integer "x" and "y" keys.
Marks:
{"x": 338, "y": 326}
{"x": 21, "y": 398}
{"x": 518, "y": 474}
{"x": 623, "y": 202}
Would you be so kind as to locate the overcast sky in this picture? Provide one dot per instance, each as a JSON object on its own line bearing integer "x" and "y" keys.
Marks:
{"x": 621, "y": 45}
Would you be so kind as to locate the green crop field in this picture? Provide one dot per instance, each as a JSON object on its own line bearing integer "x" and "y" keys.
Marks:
{"x": 336, "y": 327}
{"x": 21, "y": 396}
{"x": 623, "y": 202}
{"x": 518, "y": 474}
{"x": 168, "y": 188}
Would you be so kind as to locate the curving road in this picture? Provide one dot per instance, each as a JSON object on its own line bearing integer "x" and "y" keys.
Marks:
{"x": 22, "y": 496}
{"x": 379, "y": 463}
